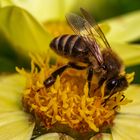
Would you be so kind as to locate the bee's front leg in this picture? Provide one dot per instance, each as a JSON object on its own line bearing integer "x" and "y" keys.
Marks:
{"x": 89, "y": 78}
{"x": 51, "y": 80}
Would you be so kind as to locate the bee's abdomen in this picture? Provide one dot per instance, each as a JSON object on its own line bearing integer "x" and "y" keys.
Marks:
{"x": 70, "y": 46}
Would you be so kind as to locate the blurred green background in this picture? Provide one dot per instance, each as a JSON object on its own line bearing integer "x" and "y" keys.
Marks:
{"x": 44, "y": 11}
{"x": 103, "y": 9}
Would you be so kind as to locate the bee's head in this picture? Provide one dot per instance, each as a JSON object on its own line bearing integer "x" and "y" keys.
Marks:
{"x": 116, "y": 84}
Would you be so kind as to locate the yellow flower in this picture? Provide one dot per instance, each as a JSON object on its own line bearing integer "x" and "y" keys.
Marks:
{"x": 66, "y": 102}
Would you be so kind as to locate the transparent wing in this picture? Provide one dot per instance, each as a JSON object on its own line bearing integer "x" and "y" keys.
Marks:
{"x": 78, "y": 24}
{"x": 82, "y": 27}
{"x": 96, "y": 27}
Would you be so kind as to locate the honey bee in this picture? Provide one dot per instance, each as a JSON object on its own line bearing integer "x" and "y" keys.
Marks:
{"x": 89, "y": 46}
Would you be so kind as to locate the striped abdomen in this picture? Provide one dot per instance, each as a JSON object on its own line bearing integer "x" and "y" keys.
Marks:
{"x": 71, "y": 46}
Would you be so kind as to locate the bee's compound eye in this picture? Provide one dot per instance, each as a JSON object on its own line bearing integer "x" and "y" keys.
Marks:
{"x": 111, "y": 84}
{"x": 116, "y": 84}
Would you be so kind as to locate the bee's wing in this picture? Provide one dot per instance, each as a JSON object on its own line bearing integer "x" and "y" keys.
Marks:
{"x": 96, "y": 27}
{"x": 82, "y": 27}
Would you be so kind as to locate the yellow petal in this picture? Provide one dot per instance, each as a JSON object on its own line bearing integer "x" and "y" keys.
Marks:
{"x": 42, "y": 9}
{"x": 105, "y": 28}
{"x": 11, "y": 89}
{"x": 126, "y": 127}
{"x": 127, "y": 122}
{"x": 125, "y": 28}
{"x": 50, "y": 136}
{"x": 24, "y": 32}
{"x": 64, "y": 28}
{"x": 102, "y": 136}
{"x": 15, "y": 125}
{"x": 133, "y": 93}
{"x": 130, "y": 53}
{"x": 61, "y": 26}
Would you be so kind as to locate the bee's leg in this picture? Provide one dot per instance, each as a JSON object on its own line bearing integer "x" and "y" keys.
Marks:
{"x": 51, "y": 80}
{"x": 89, "y": 78}
{"x": 100, "y": 83}
{"x": 77, "y": 67}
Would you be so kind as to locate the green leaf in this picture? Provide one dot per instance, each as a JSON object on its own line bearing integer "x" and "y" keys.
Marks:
{"x": 23, "y": 31}
{"x": 124, "y": 28}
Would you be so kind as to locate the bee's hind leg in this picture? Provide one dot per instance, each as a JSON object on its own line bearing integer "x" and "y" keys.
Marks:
{"x": 51, "y": 80}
